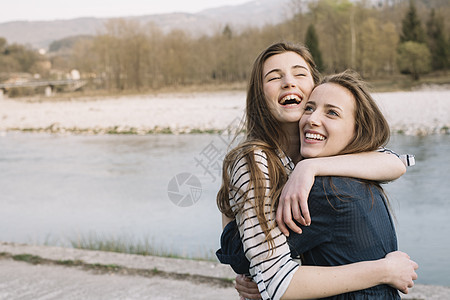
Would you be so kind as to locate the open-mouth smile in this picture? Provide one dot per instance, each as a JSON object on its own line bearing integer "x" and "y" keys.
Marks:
{"x": 314, "y": 136}
{"x": 290, "y": 99}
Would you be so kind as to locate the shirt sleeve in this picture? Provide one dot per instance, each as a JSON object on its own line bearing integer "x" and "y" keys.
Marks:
{"x": 271, "y": 269}
{"x": 407, "y": 159}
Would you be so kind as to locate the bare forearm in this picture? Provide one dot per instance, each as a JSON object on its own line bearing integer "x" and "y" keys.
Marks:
{"x": 317, "y": 282}
{"x": 368, "y": 165}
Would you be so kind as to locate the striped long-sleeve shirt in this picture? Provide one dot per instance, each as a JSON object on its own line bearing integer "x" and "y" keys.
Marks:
{"x": 271, "y": 269}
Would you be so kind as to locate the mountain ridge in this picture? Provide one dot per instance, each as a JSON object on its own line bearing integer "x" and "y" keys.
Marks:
{"x": 257, "y": 13}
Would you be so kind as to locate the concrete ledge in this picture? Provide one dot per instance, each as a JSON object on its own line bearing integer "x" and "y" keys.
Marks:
{"x": 167, "y": 265}
{"x": 189, "y": 269}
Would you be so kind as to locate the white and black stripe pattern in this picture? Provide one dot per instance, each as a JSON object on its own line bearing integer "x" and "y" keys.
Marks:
{"x": 271, "y": 269}
{"x": 407, "y": 159}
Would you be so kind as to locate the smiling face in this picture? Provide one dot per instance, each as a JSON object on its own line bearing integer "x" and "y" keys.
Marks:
{"x": 328, "y": 123}
{"x": 287, "y": 83}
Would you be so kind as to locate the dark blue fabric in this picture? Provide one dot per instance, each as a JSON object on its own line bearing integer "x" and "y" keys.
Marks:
{"x": 350, "y": 223}
{"x": 232, "y": 251}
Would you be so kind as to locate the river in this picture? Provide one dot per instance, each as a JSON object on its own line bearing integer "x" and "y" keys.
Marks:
{"x": 58, "y": 189}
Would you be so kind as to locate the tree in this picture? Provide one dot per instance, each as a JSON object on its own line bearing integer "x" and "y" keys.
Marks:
{"x": 25, "y": 57}
{"x": 414, "y": 58}
{"x": 411, "y": 26}
{"x": 8, "y": 64}
{"x": 378, "y": 44}
{"x": 370, "y": 52}
{"x": 3, "y": 44}
{"x": 437, "y": 42}
{"x": 122, "y": 53}
{"x": 312, "y": 42}
{"x": 227, "y": 32}
{"x": 84, "y": 57}
{"x": 333, "y": 20}
{"x": 67, "y": 43}
{"x": 388, "y": 47}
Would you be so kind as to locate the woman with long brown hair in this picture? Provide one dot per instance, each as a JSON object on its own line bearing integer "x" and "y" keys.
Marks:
{"x": 255, "y": 172}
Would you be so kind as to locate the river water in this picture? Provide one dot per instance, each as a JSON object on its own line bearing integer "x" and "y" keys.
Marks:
{"x": 57, "y": 189}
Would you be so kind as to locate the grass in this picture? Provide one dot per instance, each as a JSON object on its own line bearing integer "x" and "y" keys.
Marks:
{"x": 119, "y": 131}
{"x": 32, "y": 259}
{"x": 117, "y": 269}
{"x": 131, "y": 246}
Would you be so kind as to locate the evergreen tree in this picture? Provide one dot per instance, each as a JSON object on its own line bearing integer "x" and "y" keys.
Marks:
{"x": 437, "y": 42}
{"x": 411, "y": 26}
{"x": 227, "y": 32}
{"x": 312, "y": 42}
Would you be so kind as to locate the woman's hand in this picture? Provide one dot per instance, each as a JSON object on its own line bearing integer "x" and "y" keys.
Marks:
{"x": 293, "y": 201}
{"x": 246, "y": 288}
{"x": 401, "y": 271}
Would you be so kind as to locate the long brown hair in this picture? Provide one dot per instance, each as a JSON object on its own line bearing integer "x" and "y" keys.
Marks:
{"x": 262, "y": 132}
{"x": 371, "y": 128}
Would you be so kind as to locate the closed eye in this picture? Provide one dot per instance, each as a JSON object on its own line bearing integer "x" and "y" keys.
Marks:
{"x": 274, "y": 78}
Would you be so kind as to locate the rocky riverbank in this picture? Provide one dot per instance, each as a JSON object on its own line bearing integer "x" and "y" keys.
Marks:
{"x": 412, "y": 113}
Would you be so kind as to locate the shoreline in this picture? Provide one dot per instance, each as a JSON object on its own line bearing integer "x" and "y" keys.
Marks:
{"x": 46, "y": 272}
{"x": 212, "y": 278}
{"x": 409, "y": 113}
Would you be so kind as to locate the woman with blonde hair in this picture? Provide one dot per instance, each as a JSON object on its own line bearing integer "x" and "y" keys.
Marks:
{"x": 255, "y": 172}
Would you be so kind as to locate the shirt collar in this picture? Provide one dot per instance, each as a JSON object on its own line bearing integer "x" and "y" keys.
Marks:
{"x": 286, "y": 161}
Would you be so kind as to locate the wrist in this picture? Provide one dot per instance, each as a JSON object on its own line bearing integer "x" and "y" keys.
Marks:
{"x": 384, "y": 271}
{"x": 310, "y": 166}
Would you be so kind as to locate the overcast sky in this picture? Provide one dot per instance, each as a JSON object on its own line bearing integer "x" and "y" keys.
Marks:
{"x": 32, "y": 10}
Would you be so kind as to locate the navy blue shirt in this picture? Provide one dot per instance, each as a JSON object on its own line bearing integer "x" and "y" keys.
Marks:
{"x": 350, "y": 223}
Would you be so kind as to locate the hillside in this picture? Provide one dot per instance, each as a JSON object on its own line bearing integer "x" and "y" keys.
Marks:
{"x": 39, "y": 34}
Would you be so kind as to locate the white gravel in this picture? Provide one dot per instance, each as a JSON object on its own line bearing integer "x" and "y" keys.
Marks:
{"x": 420, "y": 112}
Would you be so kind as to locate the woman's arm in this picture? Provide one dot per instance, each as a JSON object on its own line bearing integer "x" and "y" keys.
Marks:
{"x": 271, "y": 266}
{"x": 368, "y": 165}
{"x": 379, "y": 166}
{"x": 274, "y": 271}
{"x": 396, "y": 269}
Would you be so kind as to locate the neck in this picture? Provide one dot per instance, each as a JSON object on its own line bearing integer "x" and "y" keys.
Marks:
{"x": 292, "y": 148}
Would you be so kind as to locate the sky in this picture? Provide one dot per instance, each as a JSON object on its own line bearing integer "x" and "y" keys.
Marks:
{"x": 48, "y": 10}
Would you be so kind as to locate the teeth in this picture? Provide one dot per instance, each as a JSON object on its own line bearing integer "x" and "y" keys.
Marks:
{"x": 291, "y": 97}
{"x": 314, "y": 136}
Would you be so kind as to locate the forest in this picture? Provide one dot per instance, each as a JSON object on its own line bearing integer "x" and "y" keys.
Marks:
{"x": 379, "y": 40}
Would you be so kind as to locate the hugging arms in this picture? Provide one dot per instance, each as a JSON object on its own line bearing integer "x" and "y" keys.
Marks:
{"x": 255, "y": 172}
